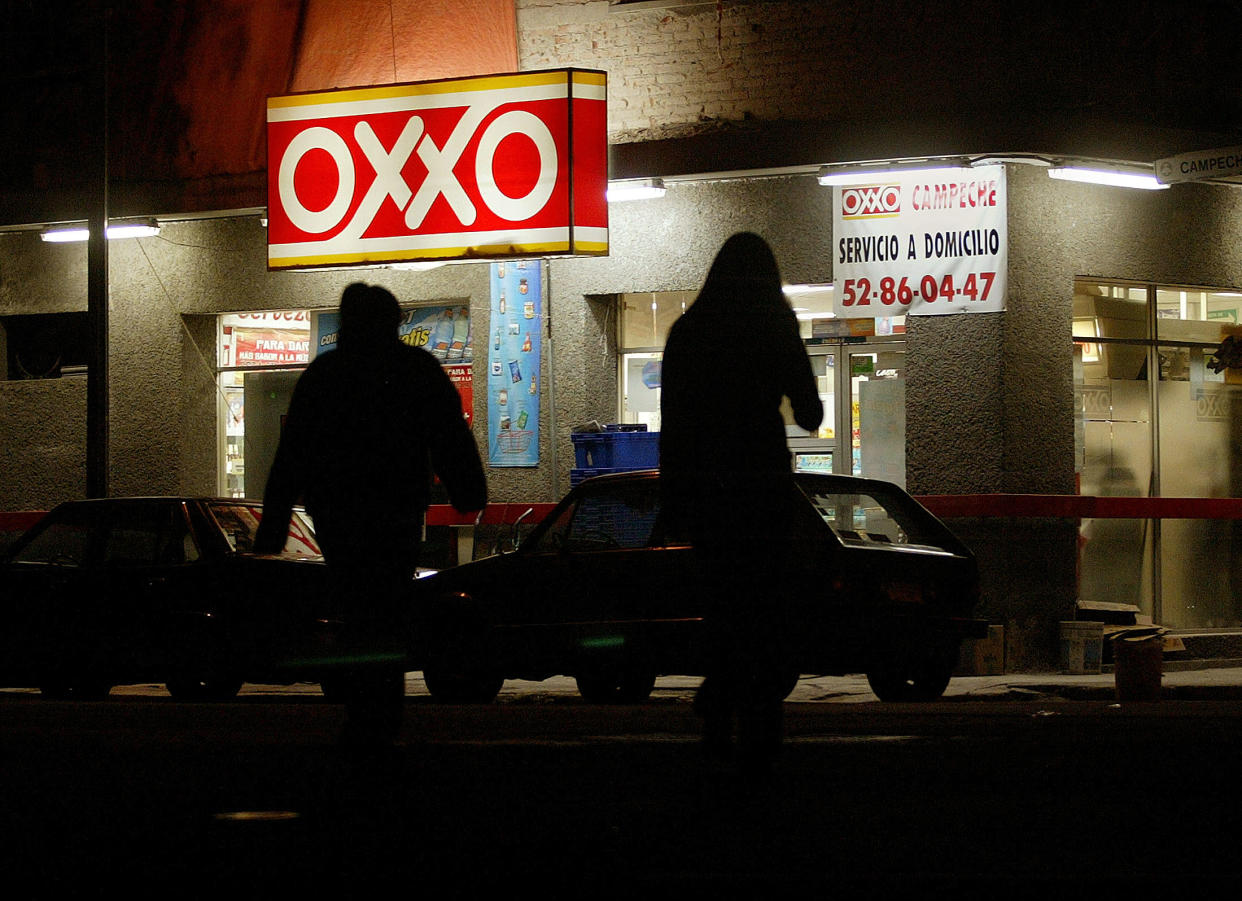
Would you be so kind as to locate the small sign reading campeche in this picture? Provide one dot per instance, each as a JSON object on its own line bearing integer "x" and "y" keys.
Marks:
{"x": 474, "y": 168}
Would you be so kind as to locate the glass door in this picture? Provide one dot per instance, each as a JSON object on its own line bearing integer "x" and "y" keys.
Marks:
{"x": 862, "y": 387}
{"x": 877, "y": 411}
{"x": 818, "y": 451}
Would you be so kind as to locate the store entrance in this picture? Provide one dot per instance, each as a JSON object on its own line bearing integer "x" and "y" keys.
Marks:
{"x": 267, "y": 401}
{"x": 863, "y": 389}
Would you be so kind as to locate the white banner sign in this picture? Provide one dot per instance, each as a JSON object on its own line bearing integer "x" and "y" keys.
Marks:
{"x": 921, "y": 243}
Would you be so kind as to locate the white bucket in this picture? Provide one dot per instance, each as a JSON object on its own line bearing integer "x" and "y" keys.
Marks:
{"x": 1081, "y": 646}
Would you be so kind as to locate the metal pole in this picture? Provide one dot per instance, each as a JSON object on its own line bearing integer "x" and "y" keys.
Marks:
{"x": 97, "y": 369}
{"x": 97, "y": 295}
{"x": 550, "y": 380}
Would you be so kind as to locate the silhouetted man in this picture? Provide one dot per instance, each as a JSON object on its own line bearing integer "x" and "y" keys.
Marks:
{"x": 728, "y": 483}
{"x": 367, "y": 426}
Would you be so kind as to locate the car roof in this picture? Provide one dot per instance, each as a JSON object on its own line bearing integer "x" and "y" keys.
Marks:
{"x": 824, "y": 480}
{"x": 160, "y": 499}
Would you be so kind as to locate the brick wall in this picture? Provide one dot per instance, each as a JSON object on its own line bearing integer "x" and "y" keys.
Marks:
{"x": 679, "y": 69}
{"x": 675, "y": 71}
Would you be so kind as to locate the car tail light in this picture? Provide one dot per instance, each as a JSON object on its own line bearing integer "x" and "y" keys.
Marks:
{"x": 903, "y": 592}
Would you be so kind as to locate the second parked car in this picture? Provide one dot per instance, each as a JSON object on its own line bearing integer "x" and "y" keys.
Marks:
{"x": 603, "y": 592}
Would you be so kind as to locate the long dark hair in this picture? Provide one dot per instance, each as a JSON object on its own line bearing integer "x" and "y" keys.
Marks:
{"x": 744, "y": 270}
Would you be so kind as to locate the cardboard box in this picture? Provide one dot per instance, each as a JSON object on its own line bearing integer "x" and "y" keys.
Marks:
{"x": 983, "y": 656}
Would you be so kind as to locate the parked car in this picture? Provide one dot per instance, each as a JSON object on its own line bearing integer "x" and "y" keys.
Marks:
{"x": 602, "y": 592}
{"x": 124, "y": 590}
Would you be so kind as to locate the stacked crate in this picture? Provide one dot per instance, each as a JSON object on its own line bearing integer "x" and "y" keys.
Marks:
{"x": 618, "y": 448}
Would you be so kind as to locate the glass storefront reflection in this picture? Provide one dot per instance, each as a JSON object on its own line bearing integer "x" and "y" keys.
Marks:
{"x": 1174, "y": 436}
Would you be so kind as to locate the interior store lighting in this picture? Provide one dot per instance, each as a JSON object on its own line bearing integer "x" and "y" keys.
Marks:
{"x": 636, "y": 189}
{"x": 805, "y": 314}
{"x": 69, "y": 234}
{"x": 1117, "y": 178}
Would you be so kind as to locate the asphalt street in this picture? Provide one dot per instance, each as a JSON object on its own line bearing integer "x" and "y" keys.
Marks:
{"x": 542, "y": 791}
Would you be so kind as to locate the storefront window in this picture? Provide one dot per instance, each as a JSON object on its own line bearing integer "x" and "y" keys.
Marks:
{"x": 261, "y": 356}
{"x": 1164, "y": 436}
{"x": 859, "y": 361}
{"x": 644, "y": 323}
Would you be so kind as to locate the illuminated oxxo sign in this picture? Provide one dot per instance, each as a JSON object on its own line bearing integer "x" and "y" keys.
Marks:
{"x": 476, "y": 168}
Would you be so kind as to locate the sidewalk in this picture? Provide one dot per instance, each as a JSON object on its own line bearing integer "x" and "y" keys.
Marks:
{"x": 1182, "y": 680}
{"x": 1216, "y": 680}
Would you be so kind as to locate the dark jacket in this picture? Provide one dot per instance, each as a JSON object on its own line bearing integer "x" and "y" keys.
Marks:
{"x": 366, "y": 429}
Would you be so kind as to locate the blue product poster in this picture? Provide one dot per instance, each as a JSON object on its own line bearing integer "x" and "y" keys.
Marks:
{"x": 514, "y": 350}
{"x": 442, "y": 331}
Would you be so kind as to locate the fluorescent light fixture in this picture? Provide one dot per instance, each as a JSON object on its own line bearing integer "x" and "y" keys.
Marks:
{"x": 1117, "y": 178}
{"x": 637, "y": 189}
{"x": 867, "y": 174}
{"x": 65, "y": 235}
{"x": 147, "y": 229}
{"x": 794, "y": 290}
{"x": 809, "y": 315}
{"x": 132, "y": 230}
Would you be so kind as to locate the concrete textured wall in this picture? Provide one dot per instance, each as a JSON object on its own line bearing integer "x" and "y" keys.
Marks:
{"x": 42, "y": 443}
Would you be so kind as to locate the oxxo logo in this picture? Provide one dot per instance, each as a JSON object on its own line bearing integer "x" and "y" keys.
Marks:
{"x": 492, "y": 166}
{"x": 870, "y": 200}
{"x": 440, "y": 181}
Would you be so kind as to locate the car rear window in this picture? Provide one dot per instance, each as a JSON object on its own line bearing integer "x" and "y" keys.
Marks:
{"x": 876, "y": 519}
{"x": 622, "y": 516}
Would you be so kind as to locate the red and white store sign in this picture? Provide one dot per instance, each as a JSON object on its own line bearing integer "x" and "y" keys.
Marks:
{"x": 477, "y": 168}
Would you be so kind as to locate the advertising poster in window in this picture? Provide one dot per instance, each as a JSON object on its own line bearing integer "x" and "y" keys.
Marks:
{"x": 279, "y": 338}
{"x": 514, "y": 351}
{"x": 924, "y": 243}
{"x": 442, "y": 331}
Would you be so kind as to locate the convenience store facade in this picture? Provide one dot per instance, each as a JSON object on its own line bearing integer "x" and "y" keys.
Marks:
{"x": 993, "y": 402}
{"x": 990, "y": 402}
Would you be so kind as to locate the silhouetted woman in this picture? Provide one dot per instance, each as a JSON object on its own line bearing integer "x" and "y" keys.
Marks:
{"x": 728, "y": 482}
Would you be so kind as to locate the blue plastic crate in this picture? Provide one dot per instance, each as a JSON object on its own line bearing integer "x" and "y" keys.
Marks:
{"x": 616, "y": 450}
{"x": 600, "y": 516}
